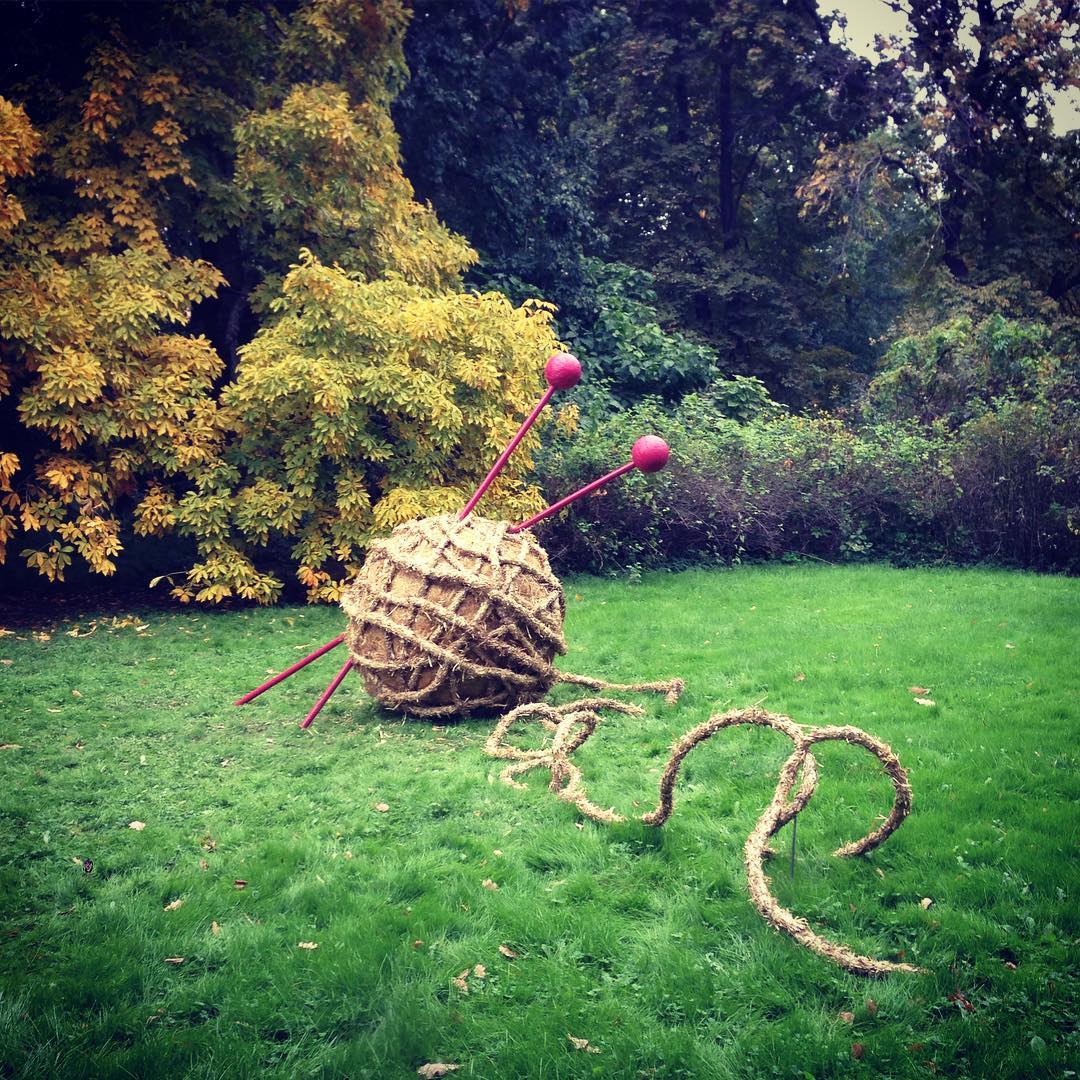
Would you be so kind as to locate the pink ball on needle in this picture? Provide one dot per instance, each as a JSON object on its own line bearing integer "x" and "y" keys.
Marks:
{"x": 562, "y": 371}
{"x": 650, "y": 453}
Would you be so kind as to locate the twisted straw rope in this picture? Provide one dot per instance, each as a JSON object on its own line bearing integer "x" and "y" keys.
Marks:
{"x": 572, "y": 724}
{"x": 507, "y": 642}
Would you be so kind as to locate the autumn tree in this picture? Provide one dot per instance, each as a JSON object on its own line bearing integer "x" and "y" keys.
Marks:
{"x": 965, "y": 100}
{"x": 142, "y": 147}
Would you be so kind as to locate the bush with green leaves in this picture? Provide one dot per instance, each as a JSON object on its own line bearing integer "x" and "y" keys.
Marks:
{"x": 967, "y": 449}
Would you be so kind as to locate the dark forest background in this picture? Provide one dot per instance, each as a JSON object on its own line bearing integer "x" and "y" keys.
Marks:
{"x": 846, "y": 289}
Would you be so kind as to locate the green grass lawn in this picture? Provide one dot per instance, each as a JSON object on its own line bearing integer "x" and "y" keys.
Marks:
{"x": 642, "y": 942}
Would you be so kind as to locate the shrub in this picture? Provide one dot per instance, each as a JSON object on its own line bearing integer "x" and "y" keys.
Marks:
{"x": 989, "y": 474}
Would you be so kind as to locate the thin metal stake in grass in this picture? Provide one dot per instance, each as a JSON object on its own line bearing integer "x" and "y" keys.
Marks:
{"x": 794, "y": 826}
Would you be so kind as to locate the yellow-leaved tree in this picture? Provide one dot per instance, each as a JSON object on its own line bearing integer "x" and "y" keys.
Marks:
{"x": 373, "y": 388}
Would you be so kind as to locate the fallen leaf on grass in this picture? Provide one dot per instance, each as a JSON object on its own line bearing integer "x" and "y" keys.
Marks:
{"x": 382, "y": 807}
{"x": 496, "y": 852}
{"x": 215, "y": 928}
{"x": 799, "y": 677}
{"x": 924, "y": 701}
{"x": 508, "y": 952}
{"x": 857, "y": 1051}
{"x": 459, "y": 981}
{"x": 925, "y": 903}
{"x": 435, "y": 1069}
{"x": 418, "y": 944}
{"x": 490, "y": 885}
{"x": 203, "y": 864}
{"x": 960, "y": 1000}
{"x": 480, "y": 971}
{"x": 1009, "y": 645}
{"x": 138, "y": 826}
{"x": 240, "y": 883}
{"x": 75, "y": 693}
{"x": 1009, "y": 964}
{"x": 847, "y": 1017}
{"x": 176, "y": 960}
{"x": 10, "y": 746}
{"x": 919, "y": 691}
{"x": 307, "y": 944}
{"x": 871, "y": 1006}
{"x": 174, "y": 906}
{"x": 583, "y": 1044}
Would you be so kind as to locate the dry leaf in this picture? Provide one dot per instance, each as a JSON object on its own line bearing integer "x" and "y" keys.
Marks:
{"x": 215, "y": 928}
{"x": 496, "y": 852}
{"x": 177, "y": 960}
{"x": 489, "y": 884}
{"x": 847, "y": 1017}
{"x": 418, "y": 944}
{"x": 435, "y": 1069}
{"x": 10, "y": 746}
{"x": 174, "y": 906}
{"x": 924, "y": 701}
{"x": 480, "y": 971}
{"x": 857, "y": 1051}
{"x": 799, "y": 677}
{"x": 1009, "y": 645}
{"x": 240, "y": 883}
{"x": 508, "y": 952}
{"x": 1009, "y": 964}
{"x": 925, "y": 902}
{"x": 203, "y": 864}
{"x": 583, "y": 1044}
{"x": 381, "y": 807}
{"x": 75, "y": 693}
{"x": 919, "y": 691}
{"x": 307, "y": 944}
{"x": 880, "y": 873}
{"x": 138, "y": 826}
{"x": 871, "y": 1006}
{"x": 460, "y": 983}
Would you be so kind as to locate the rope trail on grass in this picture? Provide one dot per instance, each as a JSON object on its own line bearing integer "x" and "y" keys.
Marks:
{"x": 572, "y": 724}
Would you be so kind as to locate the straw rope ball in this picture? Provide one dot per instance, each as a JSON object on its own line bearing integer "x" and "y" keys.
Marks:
{"x": 450, "y": 618}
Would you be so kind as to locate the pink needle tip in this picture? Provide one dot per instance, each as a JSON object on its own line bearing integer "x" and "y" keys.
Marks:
{"x": 649, "y": 454}
{"x": 562, "y": 371}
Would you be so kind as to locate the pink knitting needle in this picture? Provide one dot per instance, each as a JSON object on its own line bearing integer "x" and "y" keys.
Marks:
{"x": 561, "y": 371}
{"x": 649, "y": 454}
{"x": 335, "y": 682}
{"x": 251, "y": 695}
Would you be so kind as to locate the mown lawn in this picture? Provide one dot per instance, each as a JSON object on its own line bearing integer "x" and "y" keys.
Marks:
{"x": 642, "y": 942}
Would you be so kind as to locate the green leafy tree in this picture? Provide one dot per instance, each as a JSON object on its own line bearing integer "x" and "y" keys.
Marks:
{"x": 706, "y": 117}
{"x": 965, "y": 125}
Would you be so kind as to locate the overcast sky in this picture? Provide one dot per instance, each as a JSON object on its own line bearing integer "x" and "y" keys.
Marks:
{"x": 865, "y": 18}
